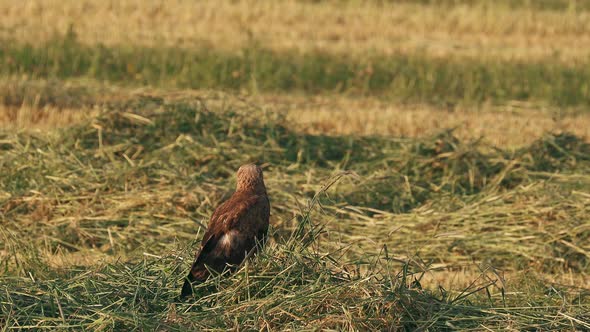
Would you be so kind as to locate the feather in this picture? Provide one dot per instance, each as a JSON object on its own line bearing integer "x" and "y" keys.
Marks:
{"x": 234, "y": 229}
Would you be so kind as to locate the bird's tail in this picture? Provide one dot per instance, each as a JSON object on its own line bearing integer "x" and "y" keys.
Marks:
{"x": 187, "y": 287}
{"x": 198, "y": 274}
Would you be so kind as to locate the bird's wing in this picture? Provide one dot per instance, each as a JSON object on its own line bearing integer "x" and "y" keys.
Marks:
{"x": 224, "y": 220}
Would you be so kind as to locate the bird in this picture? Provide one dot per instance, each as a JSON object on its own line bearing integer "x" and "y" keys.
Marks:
{"x": 235, "y": 229}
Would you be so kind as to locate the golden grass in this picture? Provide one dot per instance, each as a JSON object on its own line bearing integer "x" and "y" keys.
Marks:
{"x": 450, "y": 279}
{"x": 479, "y": 30}
{"x": 110, "y": 221}
{"x": 463, "y": 278}
{"x": 505, "y": 126}
{"x": 451, "y": 275}
{"x": 42, "y": 118}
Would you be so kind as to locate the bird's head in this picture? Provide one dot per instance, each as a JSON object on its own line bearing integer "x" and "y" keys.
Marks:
{"x": 250, "y": 178}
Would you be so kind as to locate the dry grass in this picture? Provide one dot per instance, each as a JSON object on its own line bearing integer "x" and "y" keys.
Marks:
{"x": 513, "y": 125}
{"x": 42, "y": 118}
{"x": 461, "y": 278}
{"x": 382, "y": 218}
{"x": 480, "y": 30}
{"x": 97, "y": 223}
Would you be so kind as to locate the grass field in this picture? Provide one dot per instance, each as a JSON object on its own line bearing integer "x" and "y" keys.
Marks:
{"x": 428, "y": 163}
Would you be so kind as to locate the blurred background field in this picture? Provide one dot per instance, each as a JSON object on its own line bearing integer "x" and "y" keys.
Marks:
{"x": 428, "y": 162}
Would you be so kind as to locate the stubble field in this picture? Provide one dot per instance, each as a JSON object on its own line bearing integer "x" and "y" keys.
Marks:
{"x": 428, "y": 163}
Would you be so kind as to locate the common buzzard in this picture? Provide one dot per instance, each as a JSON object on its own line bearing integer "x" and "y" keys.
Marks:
{"x": 234, "y": 229}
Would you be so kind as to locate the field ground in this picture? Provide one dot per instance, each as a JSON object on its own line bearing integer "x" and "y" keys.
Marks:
{"x": 505, "y": 30}
{"x": 435, "y": 176}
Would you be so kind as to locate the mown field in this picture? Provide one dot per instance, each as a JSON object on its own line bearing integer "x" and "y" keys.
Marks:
{"x": 428, "y": 163}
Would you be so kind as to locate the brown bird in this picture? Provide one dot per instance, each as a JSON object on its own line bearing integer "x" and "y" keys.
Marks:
{"x": 234, "y": 229}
